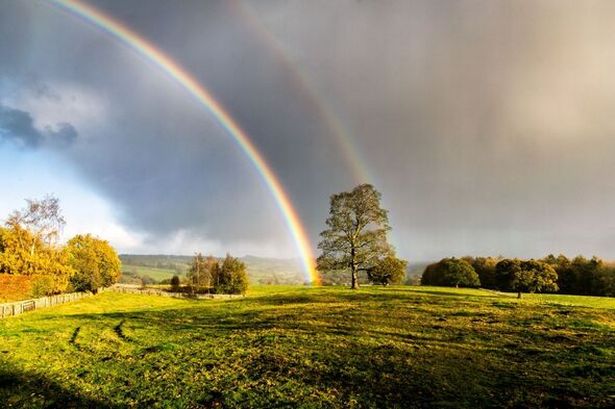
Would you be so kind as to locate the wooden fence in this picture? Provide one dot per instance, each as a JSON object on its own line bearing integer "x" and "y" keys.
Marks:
{"x": 19, "y": 307}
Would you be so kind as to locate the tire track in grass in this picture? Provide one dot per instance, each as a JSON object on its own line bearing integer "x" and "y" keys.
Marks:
{"x": 73, "y": 338}
{"x": 119, "y": 331}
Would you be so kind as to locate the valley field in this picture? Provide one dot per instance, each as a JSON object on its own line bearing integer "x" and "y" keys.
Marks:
{"x": 261, "y": 270}
{"x": 314, "y": 347}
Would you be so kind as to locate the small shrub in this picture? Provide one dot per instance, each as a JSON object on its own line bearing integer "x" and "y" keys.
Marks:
{"x": 42, "y": 285}
{"x": 175, "y": 283}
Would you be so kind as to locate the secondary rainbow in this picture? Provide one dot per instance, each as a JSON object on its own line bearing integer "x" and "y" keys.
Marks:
{"x": 301, "y": 80}
{"x": 309, "y": 91}
{"x": 198, "y": 91}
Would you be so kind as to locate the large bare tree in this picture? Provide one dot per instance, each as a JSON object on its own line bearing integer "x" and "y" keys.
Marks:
{"x": 43, "y": 218}
{"x": 356, "y": 237}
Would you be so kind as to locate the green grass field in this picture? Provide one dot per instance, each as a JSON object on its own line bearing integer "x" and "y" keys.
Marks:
{"x": 314, "y": 347}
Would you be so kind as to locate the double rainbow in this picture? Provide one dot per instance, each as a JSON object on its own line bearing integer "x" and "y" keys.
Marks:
{"x": 175, "y": 71}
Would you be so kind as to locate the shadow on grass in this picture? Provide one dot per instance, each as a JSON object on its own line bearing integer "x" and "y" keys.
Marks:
{"x": 20, "y": 389}
{"x": 345, "y": 295}
{"x": 454, "y": 294}
{"x": 337, "y": 352}
{"x": 201, "y": 324}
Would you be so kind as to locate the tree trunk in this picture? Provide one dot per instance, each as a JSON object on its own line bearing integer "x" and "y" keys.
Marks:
{"x": 519, "y": 294}
{"x": 355, "y": 280}
{"x": 353, "y": 267}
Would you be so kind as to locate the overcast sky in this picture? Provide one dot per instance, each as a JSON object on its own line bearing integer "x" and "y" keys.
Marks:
{"x": 488, "y": 126}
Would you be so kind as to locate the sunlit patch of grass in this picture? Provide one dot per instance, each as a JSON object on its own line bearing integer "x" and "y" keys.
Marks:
{"x": 313, "y": 347}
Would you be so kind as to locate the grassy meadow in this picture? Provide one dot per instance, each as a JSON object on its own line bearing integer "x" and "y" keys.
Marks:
{"x": 314, "y": 347}
{"x": 157, "y": 274}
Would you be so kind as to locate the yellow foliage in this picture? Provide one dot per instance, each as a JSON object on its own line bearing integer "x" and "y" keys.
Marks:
{"x": 22, "y": 252}
{"x": 94, "y": 261}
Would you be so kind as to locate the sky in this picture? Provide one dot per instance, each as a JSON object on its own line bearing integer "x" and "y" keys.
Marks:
{"x": 486, "y": 125}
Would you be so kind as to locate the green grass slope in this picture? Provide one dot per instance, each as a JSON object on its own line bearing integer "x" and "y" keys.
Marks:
{"x": 313, "y": 347}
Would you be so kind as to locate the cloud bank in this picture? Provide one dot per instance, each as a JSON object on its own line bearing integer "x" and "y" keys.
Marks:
{"x": 486, "y": 125}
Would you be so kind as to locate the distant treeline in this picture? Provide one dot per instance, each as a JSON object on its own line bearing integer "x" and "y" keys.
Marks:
{"x": 580, "y": 275}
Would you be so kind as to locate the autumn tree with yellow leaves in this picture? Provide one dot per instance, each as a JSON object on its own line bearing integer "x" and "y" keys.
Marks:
{"x": 29, "y": 247}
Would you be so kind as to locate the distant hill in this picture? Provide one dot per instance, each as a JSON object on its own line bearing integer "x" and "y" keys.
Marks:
{"x": 261, "y": 270}
{"x": 415, "y": 271}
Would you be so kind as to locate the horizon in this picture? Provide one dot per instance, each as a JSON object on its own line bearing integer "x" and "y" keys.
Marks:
{"x": 410, "y": 262}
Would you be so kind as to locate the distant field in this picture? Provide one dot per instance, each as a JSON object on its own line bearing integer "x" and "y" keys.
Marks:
{"x": 261, "y": 270}
{"x": 314, "y": 347}
{"x": 153, "y": 272}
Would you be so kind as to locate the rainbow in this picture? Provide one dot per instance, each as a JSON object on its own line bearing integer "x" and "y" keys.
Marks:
{"x": 175, "y": 71}
{"x": 324, "y": 110}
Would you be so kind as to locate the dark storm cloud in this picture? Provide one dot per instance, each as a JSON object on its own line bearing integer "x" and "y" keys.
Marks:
{"x": 163, "y": 159}
{"x": 18, "y": 127}
{"x": 486, "y": 124}
{"x": 244, "y": 74}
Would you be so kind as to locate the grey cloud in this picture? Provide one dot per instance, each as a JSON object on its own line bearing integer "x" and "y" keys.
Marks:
{"x": 17, "y": 126}
{"x": 163, "y": 160}
{"x": 64, "y": 135}
{"x": 480, "y": 121}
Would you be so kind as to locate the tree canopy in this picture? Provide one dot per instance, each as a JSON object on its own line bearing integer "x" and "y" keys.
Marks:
{"x": 451, "y": 272}
{"x": 202, "y": 270}
{"x": 43, "y": 218}
{"x": 388, "y": 270}
{"x": 94, "y": 261}
{"x": 231, "y": 277}
{"x": 29, "y": 247}
{"x": 526, "y": 276}
{"x": 579, "y": 275}
{"x": 356, "y": 234}
{"x": 227, "y": 276}
{"x": 25, "y": 252}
